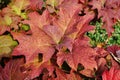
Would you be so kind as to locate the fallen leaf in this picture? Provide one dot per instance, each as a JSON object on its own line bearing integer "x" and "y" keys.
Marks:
{"x": 12, "y": 70}
{"x": 112, "y": 74}
{"x": 6, "y": 45}
{"x": 61, "y": 75}
{"x": 79, "y": 54}
{"x": 17, "y": 6}
{"x": 35, "y": 4}
{"x": 36, "y": 69}
{"x": 31, "y": 45}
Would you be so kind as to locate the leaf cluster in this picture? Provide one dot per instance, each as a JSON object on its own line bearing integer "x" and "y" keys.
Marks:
{"x": 59, "y": 39}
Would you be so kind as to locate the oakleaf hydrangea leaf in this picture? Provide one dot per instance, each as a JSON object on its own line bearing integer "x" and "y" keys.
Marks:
{"x": 19, "y": 5}
{"x": 6, "y": 45}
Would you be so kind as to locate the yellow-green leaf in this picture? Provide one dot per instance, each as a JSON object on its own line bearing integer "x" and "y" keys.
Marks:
{"x": 6, "y": 45}
{"x": 19, "y": 5}
{"x": 8, "y": 20}
{"x": 53, "y": 3}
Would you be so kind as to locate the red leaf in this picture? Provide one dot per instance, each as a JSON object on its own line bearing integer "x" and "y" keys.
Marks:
{"x": 101, "y": 66}
{"x": 79, "y": 54}
{"x": 67, "y": 16}
{"x": 36, "y": 68}
{"x": 112, "y": 74}
{"x": 3, "y": 76}
{"x": 101, "y": 51}
{"x": 97, "y": 4}
{"x": 35, "y": 4}
{"x": 54, "y": 32}
{"x": 38, "y": 20}
{"x": 3, "y": 29}
{"x": 112, "y": 3}
{"x": 77, "y": 28}
{"x": 32, "y": 45}
{"x": 73, "y": 76}
{"x": 8, "y": 20}
{"x": 43, "y": 22}
{"x": 80, "y": 24}
{"x": 63, "y": 76}
{"x": 108, "y": 10}
{"x": 107, "y": 18}
{"x": 113, "y": 49}
{"x": 12, "y": 70}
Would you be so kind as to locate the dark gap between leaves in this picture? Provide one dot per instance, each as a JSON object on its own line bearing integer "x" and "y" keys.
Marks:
{"x": 66, "y": 67}
{"x": 40, "y": 57}
{"x": 3, "y": 61}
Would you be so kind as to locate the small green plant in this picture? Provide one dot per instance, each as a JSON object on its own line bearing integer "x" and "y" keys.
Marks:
{"x": 115, "y": 38}
{"x": 99, "y": 35}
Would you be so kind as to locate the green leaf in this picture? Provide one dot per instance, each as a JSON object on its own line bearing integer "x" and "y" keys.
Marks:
{"x": 6, "y": 45}
{"x": 8, "y": 20}
{"x": 25, "y": 27}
